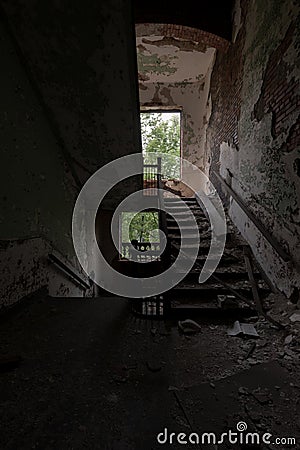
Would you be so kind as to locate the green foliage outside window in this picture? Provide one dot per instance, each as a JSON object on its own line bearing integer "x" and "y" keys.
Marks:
{"x": 140, "y": 226}
{"x": 161, "y": 135}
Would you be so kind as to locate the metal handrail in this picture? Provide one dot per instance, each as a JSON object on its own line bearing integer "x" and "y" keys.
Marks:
{"x": 162, "y": 213}
{"x": 256, "y": 221}
{"x": 59, "y": 263}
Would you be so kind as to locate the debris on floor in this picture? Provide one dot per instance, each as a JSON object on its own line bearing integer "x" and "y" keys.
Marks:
{"x": 288, "y": 339}
{"x": 227, "y": 301}
{"x": 245, "y": 329}
{"x": 129, "y": 378}
{"x": 263, "y": 397}
{"x": 189, "y": 326}
{"x": 251, "y": 350}
{"x": 295, "y": 317}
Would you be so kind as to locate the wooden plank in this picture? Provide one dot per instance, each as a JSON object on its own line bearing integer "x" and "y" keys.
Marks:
{"x": 259, "y": 307}
{"x": 252, "y": 280}
{"x": 232, "y": 290}
{"x": 259, "y": 225}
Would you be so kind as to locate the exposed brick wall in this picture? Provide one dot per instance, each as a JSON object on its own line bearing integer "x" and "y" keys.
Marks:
{"x": 226, "y": 85}
{"x": 183, "y": 32}
{"x": 293, "y": 139}
{"x": 254, "y": 131}
{"x": 280, "y": 95}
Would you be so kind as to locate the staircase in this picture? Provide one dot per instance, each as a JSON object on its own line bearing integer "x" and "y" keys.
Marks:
{"x": 231, "y": 287}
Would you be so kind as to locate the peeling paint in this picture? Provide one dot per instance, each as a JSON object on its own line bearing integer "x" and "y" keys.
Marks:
{"x": 25, "y": 269}
{"x": 265, "y": 167}
{"x": 156, "y": 64}
{"x": 171, "y": 60}
{"x": 68, "y": 89}
{"x": 183, "y": 45}
{"x": 192, "y": 99}
{"x": 188, "y": 90}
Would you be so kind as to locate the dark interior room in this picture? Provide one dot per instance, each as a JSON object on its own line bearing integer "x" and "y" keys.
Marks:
{"x": 150, "y": 225}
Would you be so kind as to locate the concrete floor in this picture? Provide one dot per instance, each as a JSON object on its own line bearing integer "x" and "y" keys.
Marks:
{"x": 94, "y": 376}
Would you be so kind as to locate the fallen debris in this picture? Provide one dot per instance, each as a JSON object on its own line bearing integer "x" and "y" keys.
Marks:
{"x": 182, "y": 409}
{"x": 243, "y": 391}
{"x": 189, "y": 326}
{"x": 173, "y": 388}
{"x": 251, "y": 350}
{"x": 262, "y": 396}
{"x": 254, "y": 287}
{"x": 246, "y": 329}
{"x": 288, "y": 339}
{"x": 295, "y": 317}
{"x": 227, "y": 301}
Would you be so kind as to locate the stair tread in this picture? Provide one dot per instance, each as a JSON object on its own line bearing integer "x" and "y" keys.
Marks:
{"x": 210, "y": 305}
{"x": 182, "y": 208}
{"x": 189, "y": 236}
{"x": 213, "y": 285}
{"x": 185, "y": 214}
{"x": 223, "y": 273}
{"x": 231, "y": 267}
{"x": 180, "y": 200}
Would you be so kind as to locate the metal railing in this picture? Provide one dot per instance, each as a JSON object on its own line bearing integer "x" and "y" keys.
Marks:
{"x": 146, "y": 251}
{"x": 154, "y": 307}
{"x": 150, "y": 177}
{"x": 75, "y": 277}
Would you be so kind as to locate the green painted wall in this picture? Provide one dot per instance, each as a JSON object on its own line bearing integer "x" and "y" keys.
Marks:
{"x": 264, "y": 164}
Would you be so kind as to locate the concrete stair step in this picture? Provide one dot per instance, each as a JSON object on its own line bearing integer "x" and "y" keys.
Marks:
{"x": 226, "y": 276}
{"x": 178, "y": 237}
{"x": 205, "y": 291}
{"x": 179, "y": 207}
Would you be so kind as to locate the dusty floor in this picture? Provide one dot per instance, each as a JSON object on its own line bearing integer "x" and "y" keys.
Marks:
{"x": 94, "y": 376}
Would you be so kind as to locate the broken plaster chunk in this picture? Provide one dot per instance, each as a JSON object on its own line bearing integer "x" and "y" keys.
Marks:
{"x": 189, "y": 326}
{"x": 295, "y": 317}
{"x": 288, "y": 339}
{"x": 250, "y": 350}
{"x": 173, "y": 388}
{"x": 243, "y": 391}
{"x": 242, "y": 329}
{"x": 227, "y": 301}
{"x": 262, "y": 396}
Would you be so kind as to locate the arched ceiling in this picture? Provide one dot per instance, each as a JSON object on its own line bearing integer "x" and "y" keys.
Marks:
{"x": 214, "y": 16}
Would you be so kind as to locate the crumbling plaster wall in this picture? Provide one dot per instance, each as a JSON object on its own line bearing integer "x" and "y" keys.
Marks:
{"x": 33, "y": 270}
{"x": 69, "y": 104}
{"x": 193, "y": 101}
{"x": 261, "y": 149}
{"x": 176, "y": 74}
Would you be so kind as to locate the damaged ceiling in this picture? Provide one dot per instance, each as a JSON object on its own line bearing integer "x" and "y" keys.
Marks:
{"x": 163, "y": 59}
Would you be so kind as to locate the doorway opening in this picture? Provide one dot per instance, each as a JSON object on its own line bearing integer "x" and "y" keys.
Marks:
{"x": 161, "y": 135}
